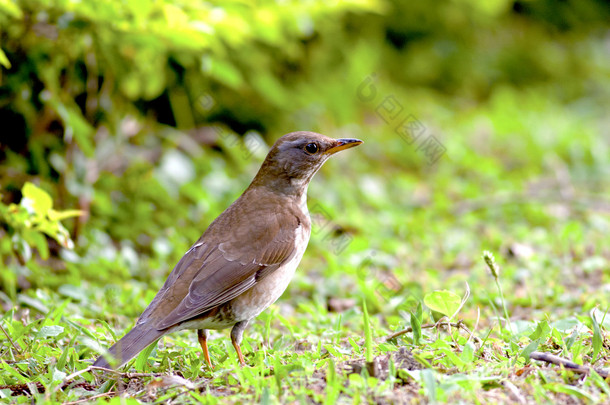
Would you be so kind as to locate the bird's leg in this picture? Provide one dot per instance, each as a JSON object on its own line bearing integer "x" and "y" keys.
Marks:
{"x": 237, "y": 333}
{"x": 202, "y": 336}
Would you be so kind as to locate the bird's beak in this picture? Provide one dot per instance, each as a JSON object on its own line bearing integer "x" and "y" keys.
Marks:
{"x": 342, "y": 144}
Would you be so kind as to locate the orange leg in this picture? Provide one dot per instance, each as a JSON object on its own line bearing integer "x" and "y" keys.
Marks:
{"x": 238, "y": 350}
{"x": 237, "y": 334}
{"x": 202, "y": 336}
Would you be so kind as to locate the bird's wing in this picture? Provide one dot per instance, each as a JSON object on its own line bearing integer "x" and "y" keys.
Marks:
{"x": 209, "y": 275}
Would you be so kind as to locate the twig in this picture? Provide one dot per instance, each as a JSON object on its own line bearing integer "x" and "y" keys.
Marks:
{"x": 80, "y": 401}
{"x": 71, "y": 377}
{"x": 30, "y": 388}
{"x": 577, "y": 368}
{"x": 459, "y": 324}
{"x": 126, "y": 375}
{"x": 464, "y": 299}
{"x": 476, "y": 325}
{"x": 10, "y": 340}
{"x": 21, "y": 389}
{"x": 514, "y": 391}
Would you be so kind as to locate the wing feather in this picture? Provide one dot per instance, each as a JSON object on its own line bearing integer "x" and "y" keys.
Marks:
{"x": 211, "y": 274}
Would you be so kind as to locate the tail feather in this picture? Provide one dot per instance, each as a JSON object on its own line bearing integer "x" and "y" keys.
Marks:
{"x": 129, "y": 346}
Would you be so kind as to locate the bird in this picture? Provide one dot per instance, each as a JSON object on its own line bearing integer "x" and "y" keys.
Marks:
{"x": 244, "y": 260}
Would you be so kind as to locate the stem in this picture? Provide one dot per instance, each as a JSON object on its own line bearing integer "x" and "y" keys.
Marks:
{"x": 510, "y": 328}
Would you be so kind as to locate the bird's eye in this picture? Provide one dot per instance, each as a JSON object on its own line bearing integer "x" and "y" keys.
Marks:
{"x": 311, "y": 148}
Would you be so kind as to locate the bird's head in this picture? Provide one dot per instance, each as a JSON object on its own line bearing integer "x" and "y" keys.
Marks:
{"x": 295, "y": 158}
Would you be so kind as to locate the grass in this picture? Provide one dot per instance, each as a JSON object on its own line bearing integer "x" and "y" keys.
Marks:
{"x": 389, "y": 231}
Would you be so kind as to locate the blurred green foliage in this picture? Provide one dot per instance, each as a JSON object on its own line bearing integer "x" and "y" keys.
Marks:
{"x": 26, "y": 225}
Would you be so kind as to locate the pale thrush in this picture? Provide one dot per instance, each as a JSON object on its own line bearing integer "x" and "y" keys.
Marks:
{"x": 244, "y": 260}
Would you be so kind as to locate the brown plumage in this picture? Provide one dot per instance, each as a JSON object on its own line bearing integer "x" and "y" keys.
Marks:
{"x": 244, "y": 260}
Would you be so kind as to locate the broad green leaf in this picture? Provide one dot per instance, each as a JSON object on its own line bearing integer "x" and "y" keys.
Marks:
{"x": 10, "y": 8}
{"x": 36, "y": 200}
{"x": 443, "y": 301}
{"x": 50, "y": 331}
{"x": 37, "y": 239}
{"x": 75, "y": 292}
{"x": 528, "y": 349}
{"x": 57, "y": 231}
{"x": 57, "y": 375}
{"x": 467, "y": 355}
{"x": 32, "y": 302}
{"x": 175, "y": 16}
{"x": 541, "y": 332}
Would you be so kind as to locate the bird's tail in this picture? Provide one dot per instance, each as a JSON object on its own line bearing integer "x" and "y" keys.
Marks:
{"x": 129, "y": 346}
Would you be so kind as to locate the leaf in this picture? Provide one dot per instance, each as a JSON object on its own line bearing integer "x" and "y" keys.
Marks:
{"x": 451, "y": 358}
{"x": 9, "y": 7}
{"x": 50, "y": 331}
{"x": 530, "y": 348}
{"x": 443, "y": 301}
{"x": 35, "y": 200}
{"x": 467, "y": 355}
{"x": 76, "y": 126}
{"x": 59, "y": 215}
{"x": 571, "y": 391}
{"x": 429, "y": 383}
{"x": 570, "y": 341}
{"x": 37, "y": 239}
{"x": 57, "y": 231}
{"x": 331, "y": 372}
{"x": 32, "y": 302}
{"x": 597, "y": 339}
{"x": 368, "y": 340}
{"x": 332, "y": 351}
{"x": 13, "y": 373}
{"x": 142, "y": 359}
{"x": 21, "y": 247}
{"x": 416, "y": 320}
{"x": 61, "y": 363}
{"x": 58, "y": 375}
{"x": 541, "y": 332}
{"x": 4, "y": 60}
{"x": 72, "y": 291}
{"x": 225, "y": 72}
